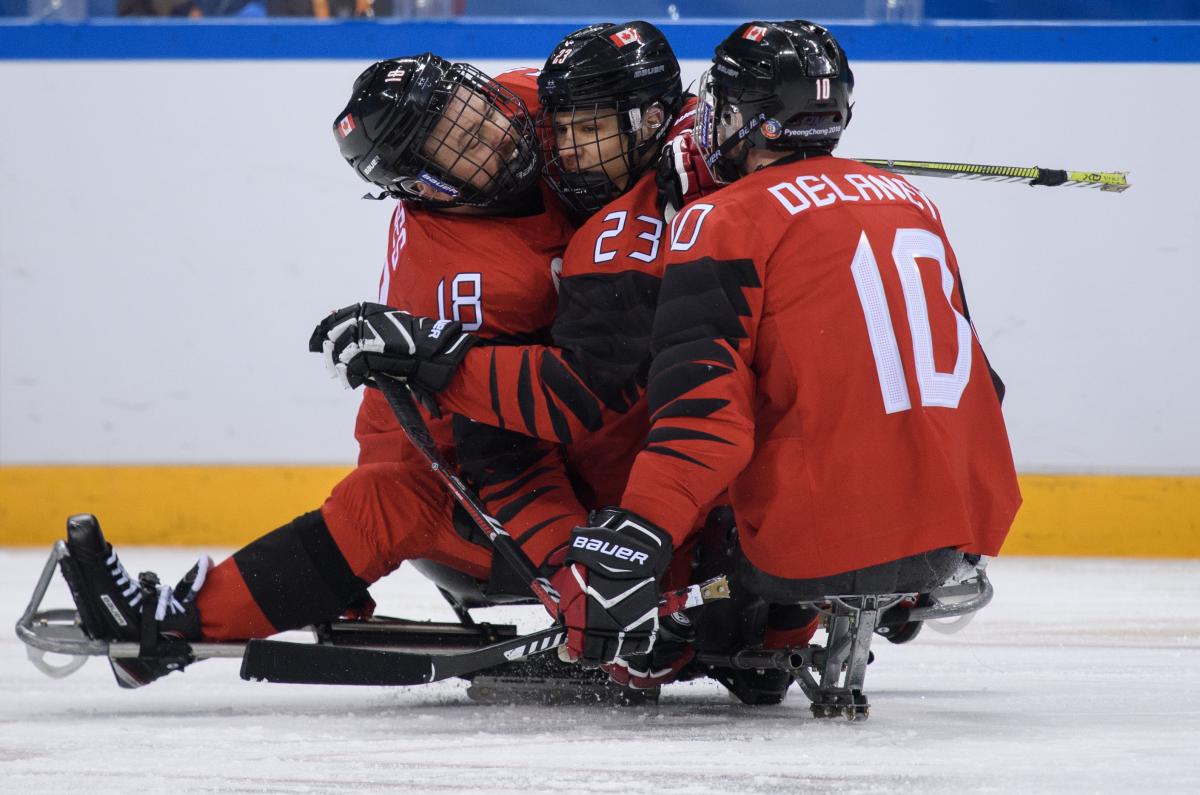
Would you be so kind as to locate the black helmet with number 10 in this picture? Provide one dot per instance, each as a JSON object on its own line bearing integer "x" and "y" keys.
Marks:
{"x": 774, "y": 85}
{"x": 445, "y": 134}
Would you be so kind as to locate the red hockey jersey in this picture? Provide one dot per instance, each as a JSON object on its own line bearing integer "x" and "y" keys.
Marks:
{"x": 494, "y": 274}
{"x": 491, "y": 273}
{"x": 814, "y": 353}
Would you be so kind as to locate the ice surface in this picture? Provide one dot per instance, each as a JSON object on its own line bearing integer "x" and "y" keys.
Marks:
{"x": 1082, "y": 676}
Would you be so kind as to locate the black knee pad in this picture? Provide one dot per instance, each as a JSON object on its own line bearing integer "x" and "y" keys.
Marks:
{"x": 297, "y": 575}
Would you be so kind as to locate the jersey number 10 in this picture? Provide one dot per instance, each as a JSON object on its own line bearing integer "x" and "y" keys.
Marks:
{"x": 936, "y": 388}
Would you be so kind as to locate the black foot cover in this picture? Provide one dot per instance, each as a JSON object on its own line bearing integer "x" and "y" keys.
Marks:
{"x": 169, "y": 655}
{"x": 114, "y": 607}
{"x": 108, "y": 600}
{"x": 756, "y": 687}
{"x": 894, "y": 624}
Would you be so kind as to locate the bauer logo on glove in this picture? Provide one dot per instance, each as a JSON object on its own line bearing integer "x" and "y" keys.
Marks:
{"x": 609, "y": 548}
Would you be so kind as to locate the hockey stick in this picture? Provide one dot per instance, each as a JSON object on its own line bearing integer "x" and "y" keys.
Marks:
{"x": 1108, "y": 181}
{"x": 315, "y": 664}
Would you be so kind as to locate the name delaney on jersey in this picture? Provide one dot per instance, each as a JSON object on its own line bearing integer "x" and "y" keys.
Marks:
{"x": 808, "y": 191}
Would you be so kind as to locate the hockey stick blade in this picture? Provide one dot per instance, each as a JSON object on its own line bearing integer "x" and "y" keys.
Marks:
{"x": 1107, "y": 181}
{"x": 312, "y": 664}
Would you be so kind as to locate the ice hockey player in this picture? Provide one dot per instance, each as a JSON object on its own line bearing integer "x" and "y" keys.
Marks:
{"x": 471, "y": 241}
{"x": 813, "y": 355}
{"x": 611, "y": 96}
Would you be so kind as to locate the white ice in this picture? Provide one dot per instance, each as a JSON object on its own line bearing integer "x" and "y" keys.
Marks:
{"x": 1082, "y": 676}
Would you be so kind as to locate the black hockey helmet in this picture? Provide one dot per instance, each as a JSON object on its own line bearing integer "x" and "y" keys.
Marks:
{"x": 620, "y": 70}
{"x": 422, "y": 119}
{"x": 776, "y": 85}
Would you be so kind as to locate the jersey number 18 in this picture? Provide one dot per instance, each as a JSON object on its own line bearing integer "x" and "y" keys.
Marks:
{"x": 466, "y": 300}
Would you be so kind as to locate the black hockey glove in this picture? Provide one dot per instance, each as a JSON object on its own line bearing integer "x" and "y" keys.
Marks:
{"x": 362, "y": 341}
{"x": 609, "y": 586}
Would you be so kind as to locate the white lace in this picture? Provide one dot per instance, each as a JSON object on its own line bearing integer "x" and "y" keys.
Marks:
{"x": 168, "y": 604}
{"x": 122, "y": 578}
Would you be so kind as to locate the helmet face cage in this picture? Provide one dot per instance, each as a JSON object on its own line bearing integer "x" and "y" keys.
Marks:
{"x": 591, "y": 153}
{"x": 445, "y": 126}
{"x": 778, "y": 86}
{"x": 482, "y": 147}
{"x": 718, "y": 128}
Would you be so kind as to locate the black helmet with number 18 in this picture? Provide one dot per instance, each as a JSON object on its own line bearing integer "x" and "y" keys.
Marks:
{"x": 445, "y": 134}
{"x": 624, "y": 77}
{"x": 774, "y": 85}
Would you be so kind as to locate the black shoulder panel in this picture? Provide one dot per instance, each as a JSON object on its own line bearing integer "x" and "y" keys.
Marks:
{"x": 704, "y": 298}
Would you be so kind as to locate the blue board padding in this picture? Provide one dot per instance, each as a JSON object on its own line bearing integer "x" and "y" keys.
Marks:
{"x": 533, "y": 39}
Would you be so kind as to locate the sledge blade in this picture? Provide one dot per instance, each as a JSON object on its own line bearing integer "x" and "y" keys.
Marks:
{"x": 546, "y": 680}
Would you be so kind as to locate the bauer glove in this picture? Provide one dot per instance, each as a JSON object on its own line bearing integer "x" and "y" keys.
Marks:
{"x": 609, "y": 586}
{"x": 362, "y": 341}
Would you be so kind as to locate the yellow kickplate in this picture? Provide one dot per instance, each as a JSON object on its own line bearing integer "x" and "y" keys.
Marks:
{"x": 227, "y": 506}
{"x": 1108, "y": 515}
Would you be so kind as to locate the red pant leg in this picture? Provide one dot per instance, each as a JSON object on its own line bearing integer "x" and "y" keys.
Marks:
{"x": 378, "y": 516}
